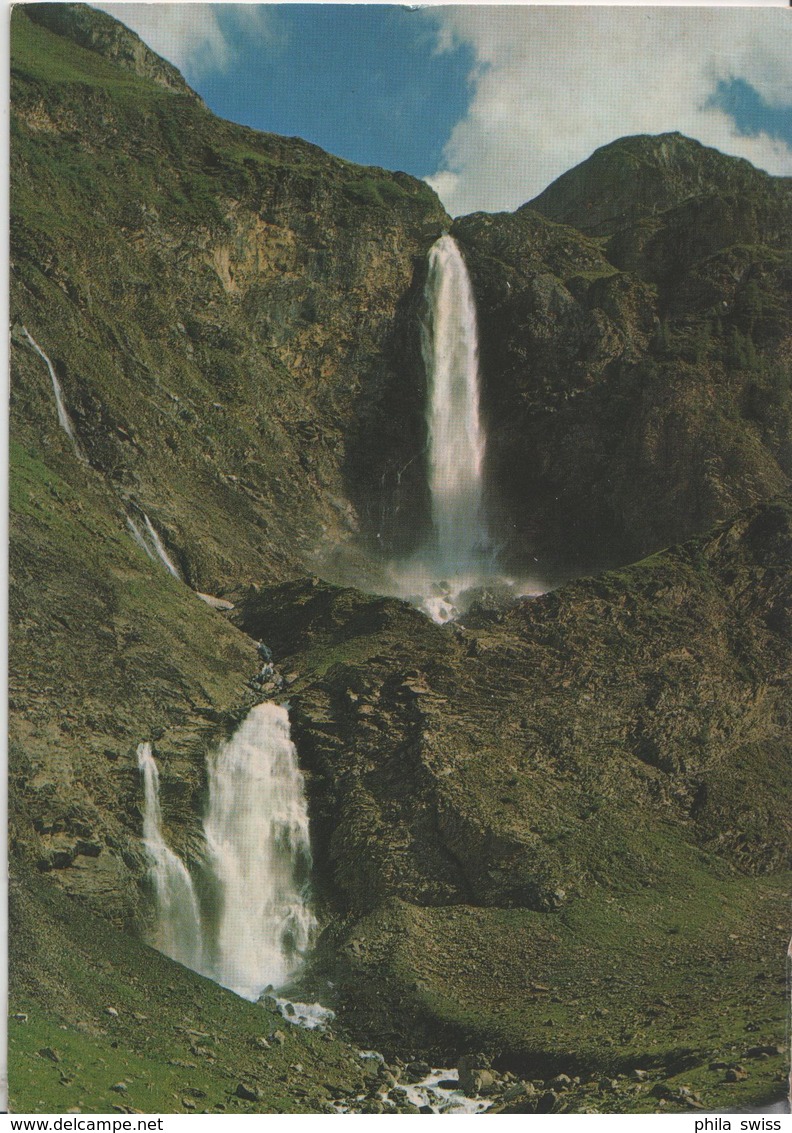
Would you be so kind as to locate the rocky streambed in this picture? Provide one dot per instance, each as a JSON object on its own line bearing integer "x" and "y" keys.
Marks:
{"x": 404, "y": 1085}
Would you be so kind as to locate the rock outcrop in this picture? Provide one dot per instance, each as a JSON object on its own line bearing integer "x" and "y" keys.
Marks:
{"x": 492, "y": 801}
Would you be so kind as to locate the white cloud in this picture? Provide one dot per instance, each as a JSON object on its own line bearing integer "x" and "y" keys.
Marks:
{"x": 552, "y": 84}
{"x": 190, "y": 35}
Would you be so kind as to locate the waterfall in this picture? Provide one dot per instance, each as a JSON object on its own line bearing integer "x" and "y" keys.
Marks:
{"x": 63, "y": 416}
{"x": 161, "y": 553}
{"x": 178, "y": 932}
{"x": 449, "y": 340}
{"x": 256, "y": 921}
{"x": 256, "y": 830}
{"x": 149, "y": 540}
{"x": 458, "y": 561}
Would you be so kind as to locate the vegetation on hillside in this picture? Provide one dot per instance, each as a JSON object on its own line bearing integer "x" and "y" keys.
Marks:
{"x": 556, "y": 833}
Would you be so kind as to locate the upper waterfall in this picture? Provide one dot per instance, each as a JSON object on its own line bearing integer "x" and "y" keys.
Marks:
{"x": 458, "y": 559}
{"x": 449, "y": 340}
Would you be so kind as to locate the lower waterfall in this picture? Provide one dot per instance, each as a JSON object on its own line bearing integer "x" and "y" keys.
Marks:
{"x": 259, "y": 854}
{"x": 252, "y": 923}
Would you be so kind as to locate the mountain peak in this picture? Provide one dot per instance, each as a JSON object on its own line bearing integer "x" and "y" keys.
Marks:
{"x": 638, "y": 176}
{"x": 98, "y": 32}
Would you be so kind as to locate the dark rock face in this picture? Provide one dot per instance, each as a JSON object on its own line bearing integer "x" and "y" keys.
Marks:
{"x": 635, "y": 327}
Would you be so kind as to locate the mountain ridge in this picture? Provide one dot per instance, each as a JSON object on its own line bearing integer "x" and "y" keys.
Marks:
{"x": 96, "y": 31}
{"x": 641, "y": 175}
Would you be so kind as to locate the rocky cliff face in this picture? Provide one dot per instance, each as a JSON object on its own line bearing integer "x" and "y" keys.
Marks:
{"x": 617, "y": 743}
{"x": 635, "y": 325}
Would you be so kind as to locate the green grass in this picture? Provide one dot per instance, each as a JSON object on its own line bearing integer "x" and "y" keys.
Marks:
{"x": 88, "y": 1067}
{"x": 667, "y": 979}
{"x": 38, "y": 54}
{"x": 170, "y": 1035}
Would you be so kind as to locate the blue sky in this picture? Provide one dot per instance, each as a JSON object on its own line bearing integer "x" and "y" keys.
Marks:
{"x": 364, "y": 83}
{"x": 490, "y": 104}
{"x": 751, "y": 115}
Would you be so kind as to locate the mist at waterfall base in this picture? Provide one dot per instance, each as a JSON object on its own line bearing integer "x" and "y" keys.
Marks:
{"x": 459, "y": 558}
{"x": 241, "y": 917}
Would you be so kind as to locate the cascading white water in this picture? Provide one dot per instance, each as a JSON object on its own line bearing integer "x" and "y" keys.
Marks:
{"x": 140, "y": 538}
{"x": 161, "y": 553}
{"x": 449, "y": 339}
{"x": 457, "y": 555}
{"x": 458, "y": 559}
{"x": 149, "y": 540}
{"x": 63, "y": 416}
{"x": 256, "y": 922}
{"x": 256, "y": 830}
{"x": 178, "y": 932}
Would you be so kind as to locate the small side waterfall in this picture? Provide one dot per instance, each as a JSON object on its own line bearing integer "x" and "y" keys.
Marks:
{"x": 64, "y": 419}
{"x": 253, "y": 923}
{"x": 449, "y": 339}
{"x": 259, "y": 852}
{"x": 178, "y": 932}
{"x": 149, "y": 540}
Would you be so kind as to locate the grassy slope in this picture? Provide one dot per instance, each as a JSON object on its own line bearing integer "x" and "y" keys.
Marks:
{"x": 178, "y": 1042}
{"x": 214, "y": 299}
{"x": 157, "y": 665}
